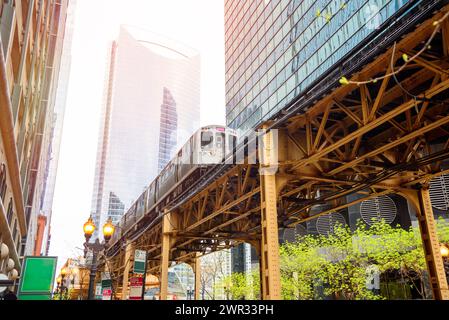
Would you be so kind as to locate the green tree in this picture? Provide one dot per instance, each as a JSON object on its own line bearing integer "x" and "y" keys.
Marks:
{"x": 340, "y": 260}
{"x": 241, "y": 286}
{"x": 443, "y": 230}
{"x": 300, "y": 264}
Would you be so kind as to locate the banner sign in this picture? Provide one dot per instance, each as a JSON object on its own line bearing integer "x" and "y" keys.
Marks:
{"x": 139, "y": 261}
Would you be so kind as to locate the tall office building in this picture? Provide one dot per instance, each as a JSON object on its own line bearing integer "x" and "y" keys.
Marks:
{"x": 152, "y": 106}
{"x": 31, "y": 34}
{"x": 55, "y": 134}
{"x": 275, "y": 49}
{"x": 168, "y": 132}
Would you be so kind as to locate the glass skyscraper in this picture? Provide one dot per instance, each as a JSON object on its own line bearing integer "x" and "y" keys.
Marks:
{"x": 152, "y": 106}
{"x": 168, "y": 132}
{"x": 276, "y": 48}
{"x": 58, "y": 122}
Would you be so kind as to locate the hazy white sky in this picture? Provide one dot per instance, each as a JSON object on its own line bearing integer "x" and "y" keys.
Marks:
{"x": 197, "y": 23}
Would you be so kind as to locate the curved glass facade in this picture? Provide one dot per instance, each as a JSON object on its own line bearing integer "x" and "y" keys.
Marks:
{"x": 152, "y": 107}
{"x": 277, "y": 48}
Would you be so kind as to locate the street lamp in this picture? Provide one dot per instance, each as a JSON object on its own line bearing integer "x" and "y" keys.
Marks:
{"x": 108, "y": 230}
{"x": 58, "y": 287}
{"x": 64, "y": 272}
{"x": 96, "y": 247}
{"x": 444, "y": 251}
{"x": 226, "y": 289}
{"x": 89, "y": 228}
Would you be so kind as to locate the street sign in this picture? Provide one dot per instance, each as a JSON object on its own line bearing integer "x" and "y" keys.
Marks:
{"x": 98, "y": 290}
{"x": 107, "y": 293}
{"x": 135, "y": 288}
{"x": 139, "y": 261}
{"x": 106, "y": 281}
{"x": 105, "y": 276}
{"x": 38, "y": 277}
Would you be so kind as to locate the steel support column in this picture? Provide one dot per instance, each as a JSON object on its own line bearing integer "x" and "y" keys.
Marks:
{"x": 431, "y": 244}
{"x": 128, "y": 255}
{"x": 197, "y": 270}
{"x": 269, "y": 249}
{"x": 165, "y": 255}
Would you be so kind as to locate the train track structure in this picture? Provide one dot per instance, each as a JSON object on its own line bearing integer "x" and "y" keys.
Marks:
{"x": 369, "y": 138}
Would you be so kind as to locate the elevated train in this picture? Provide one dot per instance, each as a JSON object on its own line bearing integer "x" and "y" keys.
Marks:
{"x": 208, "y": 146}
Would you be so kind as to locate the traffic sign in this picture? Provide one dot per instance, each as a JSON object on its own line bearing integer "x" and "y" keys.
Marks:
{"x": 98, "y": 289}
{"x": 105, "y": 276}
{"x": 139, "y": 261}
{"x": 135, "y": 288}
{"x": 107, "y": 294}
{"x": 106, "y": 281}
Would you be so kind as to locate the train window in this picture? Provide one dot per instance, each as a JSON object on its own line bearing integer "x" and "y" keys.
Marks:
{"x": 220, "y": 140}
{"x": 207, "y": 138}
{"x": 232, "y": 141}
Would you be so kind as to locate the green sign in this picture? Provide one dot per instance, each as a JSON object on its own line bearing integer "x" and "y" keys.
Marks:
{"x": 38, "y": 276}
{"x": 106, "y": 281}
{"x": 98, "y": 290}
{"x": 139, "y": 261}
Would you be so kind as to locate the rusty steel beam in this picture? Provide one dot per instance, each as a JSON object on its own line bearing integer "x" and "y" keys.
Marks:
{"x": 223, "y": 209}
{"x": 370, "y": 126}
{"x": 391, "y": 145}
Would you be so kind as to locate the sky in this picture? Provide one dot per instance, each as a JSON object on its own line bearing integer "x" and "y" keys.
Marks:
{"x": 196, "y": 23}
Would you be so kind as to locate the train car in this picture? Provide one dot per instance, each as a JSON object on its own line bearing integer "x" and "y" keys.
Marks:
{"x": 140, "y": 207}
{"x": 151, "y": 196}
{"x": 212, "y": 143}
{"x": 208, "y": 146}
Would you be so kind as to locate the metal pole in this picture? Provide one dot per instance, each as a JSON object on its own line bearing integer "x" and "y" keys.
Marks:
{"x": 145, "y": 275}
{"x": 93, "y": 272}
{"x": 61, "y": 289}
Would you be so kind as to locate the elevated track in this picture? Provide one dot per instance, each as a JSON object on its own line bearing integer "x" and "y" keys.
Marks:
{"x": 371, "y": 139}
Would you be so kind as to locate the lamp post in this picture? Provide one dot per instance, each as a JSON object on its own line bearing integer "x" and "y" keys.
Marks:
{"x": 226, "y": 289}
{"x": 63, "y": 275}
{"x": 96, "y": 247}
{"x": 444, "y": 250}
{"x": 58, "y": 287}
{"x": 190, "y": 293}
